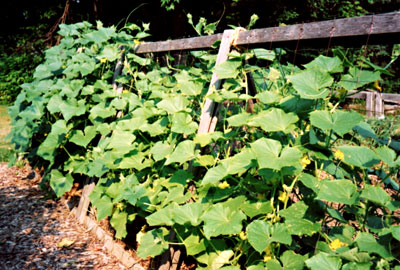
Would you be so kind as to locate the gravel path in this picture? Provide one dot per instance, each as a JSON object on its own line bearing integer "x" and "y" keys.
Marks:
{"x": 31, "y": 226}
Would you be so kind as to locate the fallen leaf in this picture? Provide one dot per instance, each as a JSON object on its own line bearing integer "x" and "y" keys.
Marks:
{"x": 65, "y": 243}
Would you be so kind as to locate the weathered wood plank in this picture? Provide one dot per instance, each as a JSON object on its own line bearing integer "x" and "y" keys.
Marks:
{"x": 370, "y": 104}
{"x": 379, "y": 108}
{"x": 381, "y": 24}
{"x": 206, "y": 118}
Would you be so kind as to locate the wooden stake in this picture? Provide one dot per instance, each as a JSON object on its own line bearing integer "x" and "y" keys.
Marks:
{"x": 208, "y": 118}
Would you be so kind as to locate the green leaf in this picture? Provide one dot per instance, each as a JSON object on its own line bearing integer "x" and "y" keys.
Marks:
{"x": 140, "y": 60}
{"x": 358, "y": 78}
{"x": 253, "y": 209}
{"x": 104, "y": 207}
{"x": 292, "y": 261}
{"x": 269, "y": 154}
{"x": 339, "y": 191}
{"x": 182, "y": 123}
{"x": 357, "y": 266}
{"x": 339, "y": 121}
{"x": 161, "y": 150}
{"x": 367, "y": 242}
{"x": 60, "y": 183}
{"x": 162, "y": 216}
{"x": 396, "y": 232}
{"x": 328, "y": 64}
{"x": 182, "y": 153}
{"x": 153, "y": 243}
{"x": 375, "y": 194}
{"x": 102, "y": 110}
{"x": 118, "y": 222}
{"x": 215, "y": 174}
{"x": 83, "y": 139}
{"x": 387, "y": 155}
{"x": 121, "y": 140}
{"x": 264, "y": 54}
{"x": 173, "y": 104}
{"x": 261, "y": 234}
{"x": 324, "y": 261}
{"x": 194, "y": 245}
{"x": 239, "y": 120}
{"x": 311, "y": 83}
{"x": 273, "y": 265}
{"x": 228, "y": 69}
{"x": 274, "y": 120}
{"x": 221, "y": 220}
{"x": 47, "y": 149}
{"x": 295, "y": 222}
{"x": 268, "y": 97}
{"x": 189, "y": 213}
{"x": 359, "y": 156}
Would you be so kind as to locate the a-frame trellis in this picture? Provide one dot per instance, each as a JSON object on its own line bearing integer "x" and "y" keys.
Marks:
{"x": 382, "y": 29}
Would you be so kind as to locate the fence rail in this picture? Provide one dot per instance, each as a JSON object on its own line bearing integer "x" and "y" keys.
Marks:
{"x": 350, "y": 28}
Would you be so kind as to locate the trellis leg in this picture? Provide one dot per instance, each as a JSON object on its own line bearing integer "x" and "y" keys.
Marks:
{"x": 379, "y": 107}
{"x": 369, "y": 104}
{"x": 208, "y": 119}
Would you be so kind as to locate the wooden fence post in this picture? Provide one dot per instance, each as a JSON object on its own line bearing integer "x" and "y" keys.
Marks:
{"x": 379, "y": 106}
{"x": 370, "y": 104}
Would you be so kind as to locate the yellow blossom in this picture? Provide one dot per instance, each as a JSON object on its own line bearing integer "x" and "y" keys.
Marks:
{"x": 335, "y": 244}
{"x": 305, "y": 161}
{"x": 45, "y": 134}
{"x": 120, "y": 206}
{"x": 377, "y": 86}
{"x": 223, "y": 185}
{"x": 308, "y": 128}
{"x": 103, "y": 60}
{"x": 339, "y": 155}
{"x": 125, "y": 91}
{"x": 66, "y": 135}
{"x": 267, "y": 258}
{"x": 243, "y": 235}
{"x": 282, "y": 196}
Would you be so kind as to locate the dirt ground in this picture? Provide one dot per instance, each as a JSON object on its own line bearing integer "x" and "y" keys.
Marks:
{"x": 31, "y": 226}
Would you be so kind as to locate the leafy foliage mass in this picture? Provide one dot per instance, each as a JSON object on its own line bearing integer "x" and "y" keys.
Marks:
{"x": 284, "y": 184}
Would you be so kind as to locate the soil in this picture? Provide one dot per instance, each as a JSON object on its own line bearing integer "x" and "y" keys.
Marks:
{"x": 31, "y": 225}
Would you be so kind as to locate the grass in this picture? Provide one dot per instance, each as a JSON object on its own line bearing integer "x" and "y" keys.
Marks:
{"x": 5, "y": 147}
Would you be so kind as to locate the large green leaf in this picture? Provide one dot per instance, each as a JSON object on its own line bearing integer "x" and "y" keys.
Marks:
{"x": 375, "y": 194}
{"x": 311, "y": 83}
{"x": 221, "y": 220}
{"x": 189, "y": 213}
{"x": 264, "y": 54}
{"x": 163, "y": 216}
{"x": 253, "y": 209}
{"x": 194, "y": 245}
{"x": 367, "y": 242}
{"x": 118, "y": 221}
{"x": 47, "y": 149}
{"x": 269, "y": 154}
{"x": 183, "y": 123}
{"x": 339, "y": 191}
{"x": 295, "y": 221}
{"x": 161, "y": 150}
{"x": 339, "y": 121}
{"x": 182, "y": 153}
{"x": 60, "y": 183}
{"x": 83, "y": 139}
{"x": 153, "y": 243}
{"x": 228, "y": 69}
{"x": 292, "y": 261}
{"x": 328, "y": 64}
{"x": 324, "y": 261}
{"x": 173, "y": 104}
{"x": 261, "y": 234}
{"x": 359, "y": 156}
{"x": 274, "y": 120}
{"x": 357, "y": 78}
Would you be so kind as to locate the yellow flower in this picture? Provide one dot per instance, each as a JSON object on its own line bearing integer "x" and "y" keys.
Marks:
{"x": 305, "y": 161}
{"x": 119, "y": 206}
{"x": 339, "y": 155}
{"x": 335, "y": 244}
{"x": 282, "y": 196}
{"x": 223, "y": 185}
{"x": 243, "y": 235}
{"x": 377, "y": 86}
{"x": 137, "y": 42}
{"x": 267, "y": 258}
{"x": 125, "y": 91}
{"x": 103, "y": 60}
{"x": 45, "y": 134}
{"x": 66, "y": 135}
{"x": 308, "y": 128}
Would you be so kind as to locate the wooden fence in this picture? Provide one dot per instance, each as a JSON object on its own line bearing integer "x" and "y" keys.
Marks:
{"x": 382, "y": 28}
